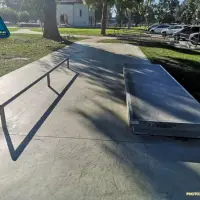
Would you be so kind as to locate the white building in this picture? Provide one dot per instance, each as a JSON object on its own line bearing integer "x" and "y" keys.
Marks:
{"x": 74, "y": 13}
{"x": 1, "y": 4}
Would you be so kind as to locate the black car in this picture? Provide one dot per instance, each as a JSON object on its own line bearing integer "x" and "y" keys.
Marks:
{"x": 186, "y": 32}
{"x": 195, "y": 38}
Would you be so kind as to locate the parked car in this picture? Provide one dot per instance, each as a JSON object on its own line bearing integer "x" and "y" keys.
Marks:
{"x": 173, "y": 29}
{"x": 29, "y": 24}
{"x": 152, "y": 26}
{"x": 195, "y": 38}
{"x": 63, "y": 25}
{"x": 186, "y": 32}
{"x": 7, "y": 23}
{"x": 159, "y": 28}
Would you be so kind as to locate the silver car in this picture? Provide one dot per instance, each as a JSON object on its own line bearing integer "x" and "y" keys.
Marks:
{"x": 173, "y": 29}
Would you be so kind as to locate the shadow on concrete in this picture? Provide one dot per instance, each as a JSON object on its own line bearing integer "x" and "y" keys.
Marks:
{"x": 105, "y": 70}
{"x": 168, "y": 167}
{"x": 15, "y": 153}
{"x": 101, "y": 67}
{"x": 54, "y": 90}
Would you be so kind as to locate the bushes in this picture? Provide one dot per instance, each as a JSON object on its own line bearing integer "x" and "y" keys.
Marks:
{"x": 11, "y": 15}
{"x": 23, "y": 16}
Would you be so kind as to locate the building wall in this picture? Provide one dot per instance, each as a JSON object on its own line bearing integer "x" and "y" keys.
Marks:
{"x": 1, "y": 4}
{"x": 78, "y": 14}
{"x": 65, "y": 9}
{"x": 81, "y": 15}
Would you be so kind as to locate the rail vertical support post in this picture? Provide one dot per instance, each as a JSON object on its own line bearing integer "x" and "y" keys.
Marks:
{"x": 33, "y": 83}
{"x": 1, "y": 110}
{"x": 68, "y": 63}
{"x": 2, "y": 116}
{"x": 48, "y": 80}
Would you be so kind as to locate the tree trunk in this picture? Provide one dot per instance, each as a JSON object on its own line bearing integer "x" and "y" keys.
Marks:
{"x": 95, "y": 21}
{"x": 120, "y": 19}
{"x": 104, "y": 18}
{"x": 137, "y": 19}
{"x": 129, "y": 19}
{"x": 50, "y": 22}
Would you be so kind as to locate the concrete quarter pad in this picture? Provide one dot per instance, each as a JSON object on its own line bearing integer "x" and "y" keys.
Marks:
{"x": 158, "y": 104}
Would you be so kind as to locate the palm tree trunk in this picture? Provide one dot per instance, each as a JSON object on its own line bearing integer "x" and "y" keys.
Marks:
{"x": 50, "y": 22}
{"x": 104, "y": 18}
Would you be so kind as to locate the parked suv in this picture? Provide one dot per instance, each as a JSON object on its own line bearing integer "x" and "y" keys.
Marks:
{"x": 173, "y": 29}
{"x": 186, "y": 32}
{"x": 159, "y": 28}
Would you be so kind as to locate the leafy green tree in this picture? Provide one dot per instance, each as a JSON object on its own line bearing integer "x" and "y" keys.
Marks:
{"x": 8, "y": 14}
{"x": 129, "y": 6}
{"x": 105, "y": 4}
{"x": 45, "y": 10}
{"x": 120, "y": 12}
{"x": 34, "y": 8}
{"x": 133, "y": 10}
{"x": 98, "y": 12}
{"x": 198, "y": 11}
{"x": 15, "y": 5}
{"x": 165, "y": 10}
{"x": 189, "y": 12}
{"x": 23, "y": 16}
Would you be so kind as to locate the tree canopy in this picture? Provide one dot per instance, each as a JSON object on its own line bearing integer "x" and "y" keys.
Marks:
{"x": 105, "y": 5}
{"x": 127, "y": 12}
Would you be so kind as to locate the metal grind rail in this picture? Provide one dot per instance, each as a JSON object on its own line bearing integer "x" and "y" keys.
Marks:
{"x": 34, "y": 83}
{"x": 16, "y": 152}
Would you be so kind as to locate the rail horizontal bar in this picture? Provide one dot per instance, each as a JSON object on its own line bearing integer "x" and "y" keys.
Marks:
{"x": 32, "y": 84}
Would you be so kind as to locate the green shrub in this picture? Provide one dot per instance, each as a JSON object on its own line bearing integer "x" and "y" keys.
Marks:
{"x": 23, "y": 16}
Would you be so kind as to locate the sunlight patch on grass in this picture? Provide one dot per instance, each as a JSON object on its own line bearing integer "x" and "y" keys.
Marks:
{"x": 21, "y": 49}
{"x": 94, "y": 31}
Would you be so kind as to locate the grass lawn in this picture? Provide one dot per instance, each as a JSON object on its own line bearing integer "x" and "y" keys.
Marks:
{"x": 182, "y": 64}
{"x": 115, "y": 41}
{"x": 21, "y": 49}
{"x": 92, "y": 31}
{"x": 13, "y": 29}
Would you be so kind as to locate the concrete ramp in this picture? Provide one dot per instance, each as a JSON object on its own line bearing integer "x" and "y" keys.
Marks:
{"x": 158, "y": 104}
